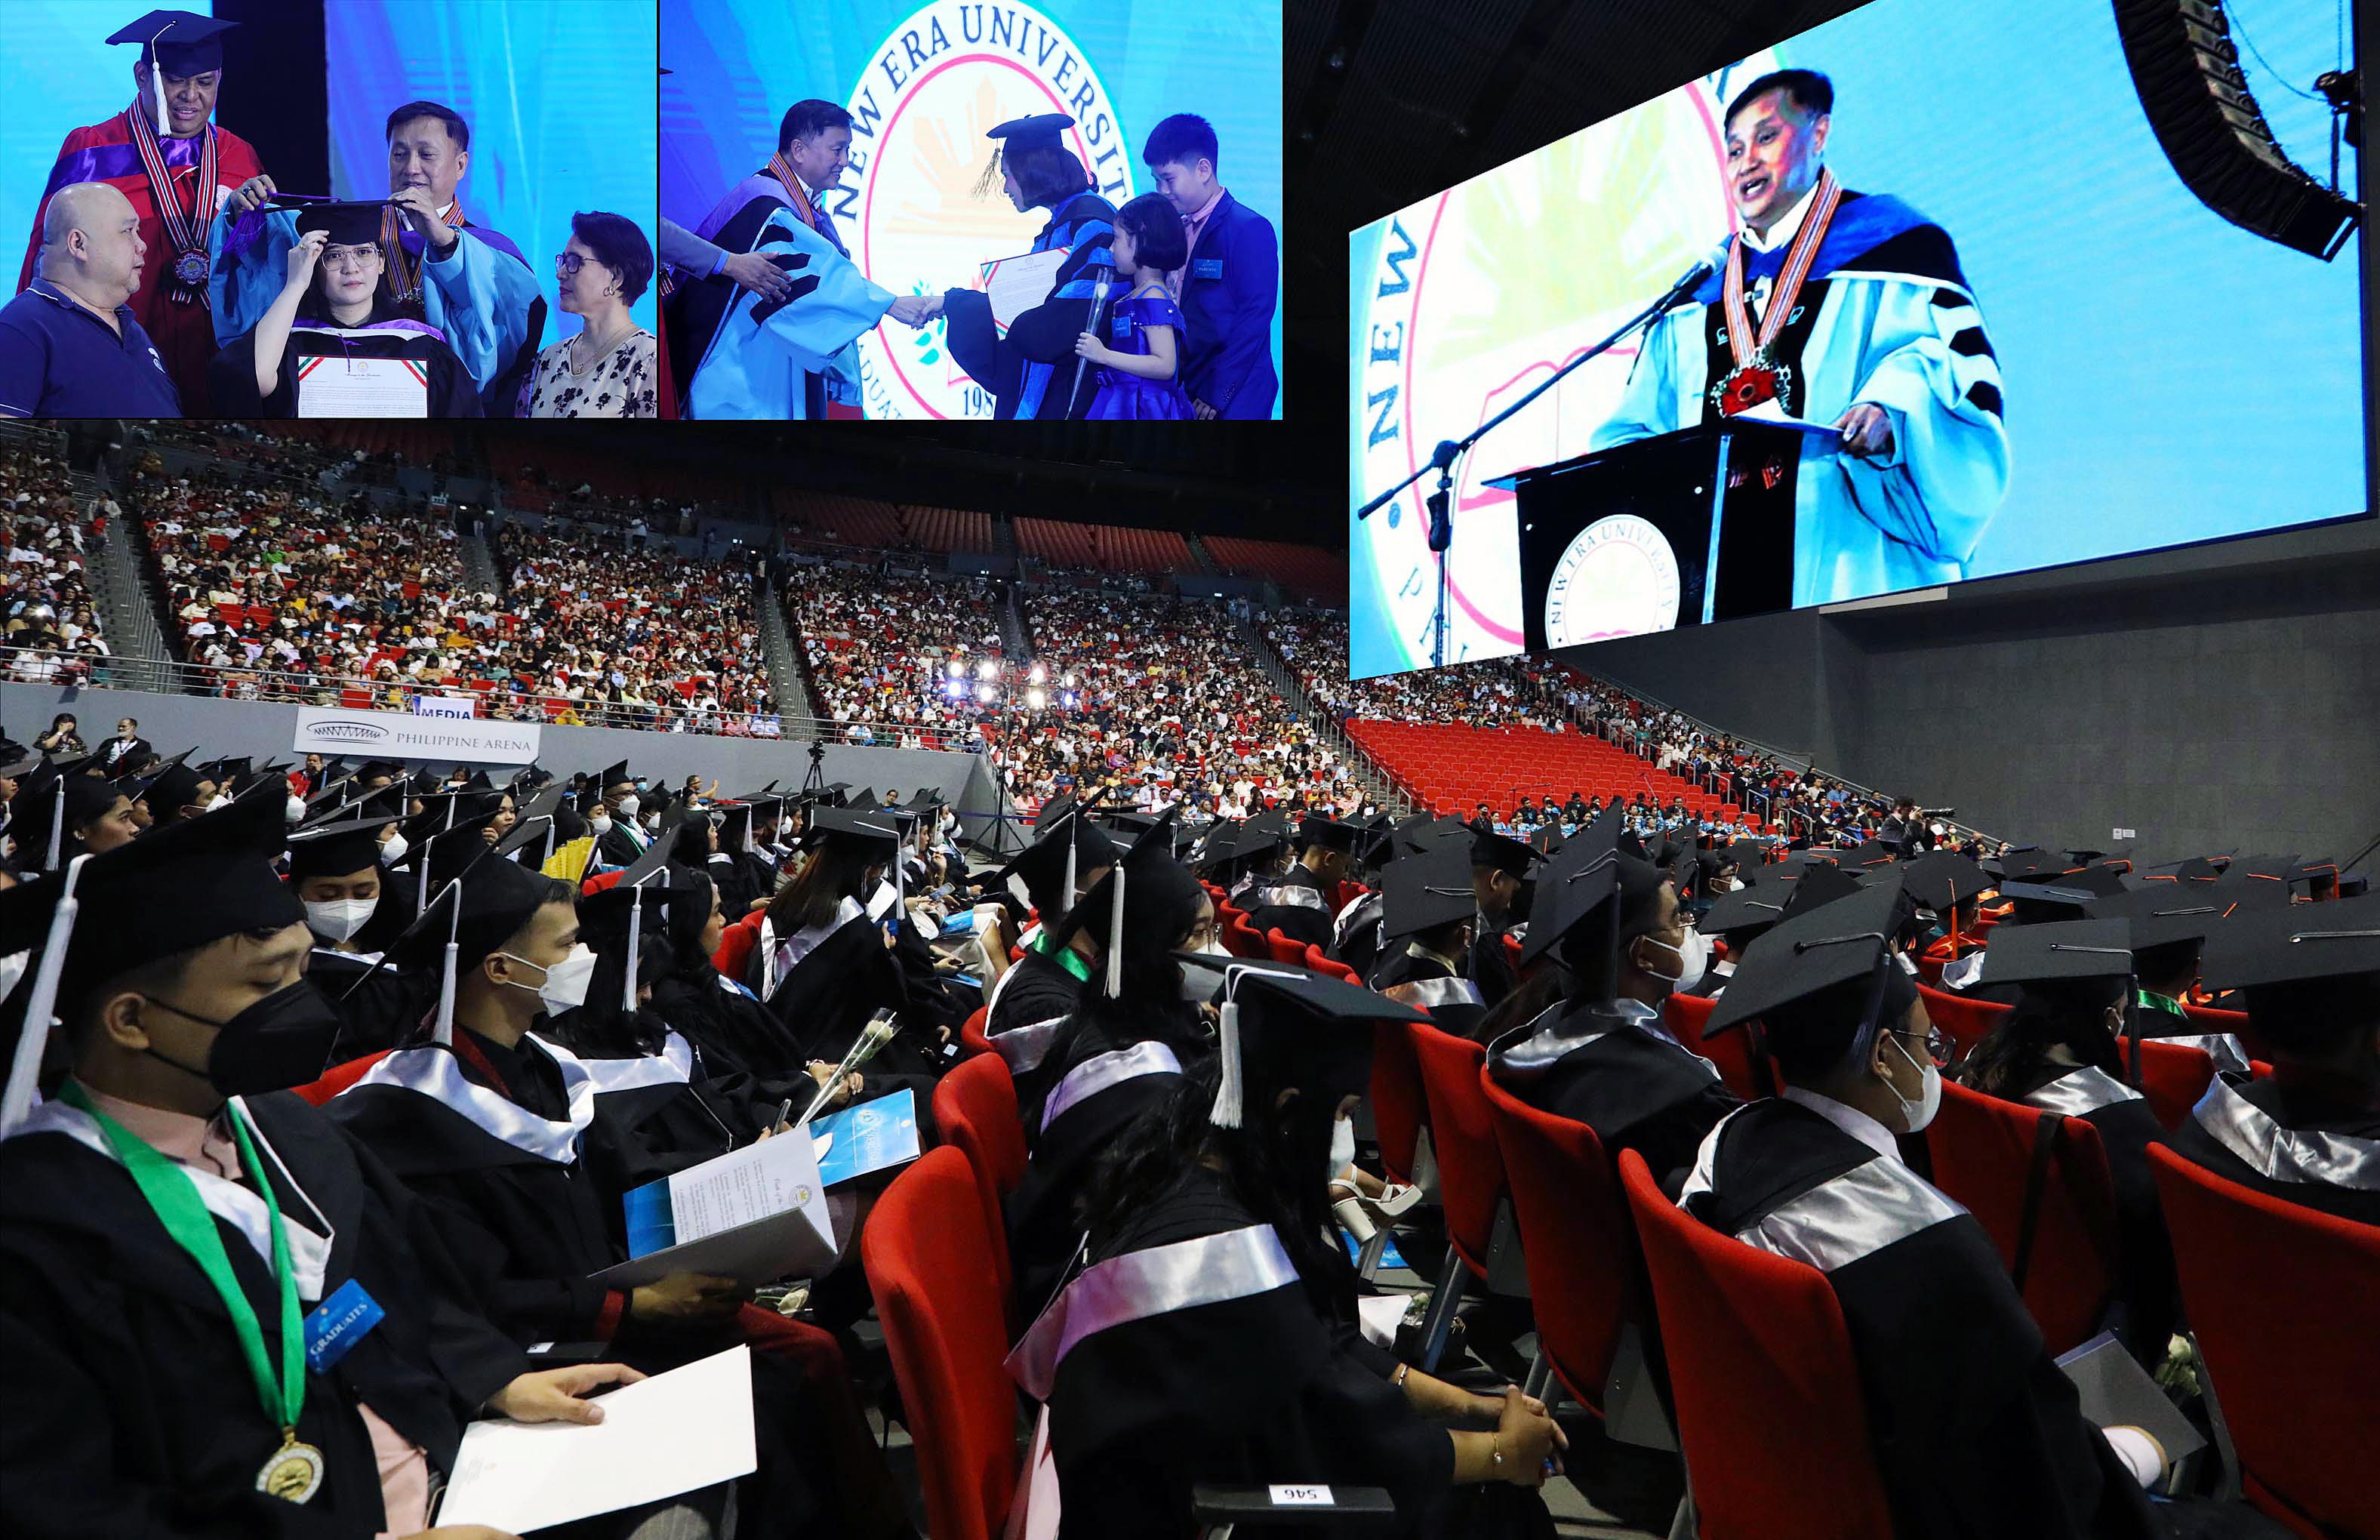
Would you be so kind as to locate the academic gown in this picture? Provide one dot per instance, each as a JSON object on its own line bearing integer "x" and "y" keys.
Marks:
{"x": 1297, "y": 908}
{"x": 2298, "y": 1141}
{"x": 129, "y": 1408}
{"x": 1275, "y": 1386}
{"x": 616, "y": 847}
{"x": 1613, "y": 1067}
{"x": 731, "y": 1031}
{"x": 183, "y": 330}
{"x": 1454, "y": 1003}
{"x": 317, "y": 346}
{"x": 1028, "y": 1009}
{"x": 1030, "y": 371}
{"x": 828, "y": 998}
{"x": 535, "y": 1224}
{"x": 733, "y": 875}
{"x": 1886, "y": 316}
{"x": 2145, "y": 1280}
{"x": 1978, "y": 1434}
{"x": 1356, "y": 938}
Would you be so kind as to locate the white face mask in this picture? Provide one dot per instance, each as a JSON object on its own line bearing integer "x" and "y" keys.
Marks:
{"x": 223, "y": 800}
{"x": 1920, "y": 1113}
{"x": 1342, "y": 1147}
{"x": 1693, "y": 957}
{"x": 627, "y": 806}
{"x": 295, "y": 811}
{"x": 565, "y": 987}
{"x": 600, "y": 824}
{"x": 393, "y": 850}
{"x": 339, "y": 919}
{"x": 1198, "y": 985}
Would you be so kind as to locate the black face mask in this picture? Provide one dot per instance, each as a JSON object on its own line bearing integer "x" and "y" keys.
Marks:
{"x": 1523, "y": 899}
{"x": 279, "y": 1041}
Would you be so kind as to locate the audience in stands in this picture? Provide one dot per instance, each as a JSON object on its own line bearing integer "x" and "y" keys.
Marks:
{"x": 51, "y": 625}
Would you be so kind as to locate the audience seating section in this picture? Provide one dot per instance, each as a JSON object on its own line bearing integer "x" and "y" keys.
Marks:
{"x": 1451, "y": 769}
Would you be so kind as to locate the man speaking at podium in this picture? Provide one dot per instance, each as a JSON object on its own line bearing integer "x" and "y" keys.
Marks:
{"x": 1838, "y": 308}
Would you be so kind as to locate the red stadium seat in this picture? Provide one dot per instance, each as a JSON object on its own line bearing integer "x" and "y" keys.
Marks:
{"x": 1399, "y": 1107}
{"x": 2173, "y": 1077}
{"x": 735, "y": 944}
{"x": 971, "y": 1035}
{"x": 1982, "y": 1151}
{"x": 1576, "y": 1239}
{"x": 1965, "y": 1022}
{"x": 1686, "y": 1015}
{"x": 975, "y": 1107}
{"x": 2274, "y": 1289}
{"x": 1767, "y": 1394}
{"x": 1284, "y": 950}
{"x": 1315, "y": 960}
{"x": 1463, "y": 1136}
{"x": 928, "y": 1255}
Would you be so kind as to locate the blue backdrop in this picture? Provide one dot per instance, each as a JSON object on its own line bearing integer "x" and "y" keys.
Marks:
{"x": 2171, "y": 377}
{"x": 739, "y": 64}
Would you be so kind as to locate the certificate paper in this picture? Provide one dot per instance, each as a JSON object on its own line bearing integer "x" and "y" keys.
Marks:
{"x": 1016, "y": 284}
{"x": 753, "y": 1215}
{"x": 678, "y": 1432}
{"x": 331, "y": 386}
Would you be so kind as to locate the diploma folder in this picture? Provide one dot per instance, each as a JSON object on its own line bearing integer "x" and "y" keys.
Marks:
{"x": 2116, "y": 1392}
{"x": 753, "y": 1215}
{"x": 1016, "y": 284}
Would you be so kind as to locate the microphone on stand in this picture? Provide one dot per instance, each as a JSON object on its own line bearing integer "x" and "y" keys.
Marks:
{"x": 1099, "y": 301}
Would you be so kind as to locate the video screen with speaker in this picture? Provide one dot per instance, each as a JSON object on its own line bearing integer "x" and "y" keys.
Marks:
{"x": 1933, "y": 292}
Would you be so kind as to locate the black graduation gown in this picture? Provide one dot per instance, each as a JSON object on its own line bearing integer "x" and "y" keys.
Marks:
{"x": 1979, "y": 1434}
{"x": 383, "y": 1010}
{"x": 828, "y": 998}
{"x": 1037, "y": 989}
{"x": 1358, "y": 943}
{"x": 231, "y": 376}
{"x": 1635, "y": 1090}
{"x": 1432, "y": 986}
{"x": 1489, "y": 967}
{"x": 129, "y": 1408}
{"x": 729, "y": 872}
{"x": 1276, "y": 1387}
{"x": 733, "y": 1032}
{"x": 1297, "y": 908}
{"x": 1045, "y": 334}
{"x": 2258, "y": 1117}
{"x": 2146, "y": 1282}
{"x": 616, "y": 847}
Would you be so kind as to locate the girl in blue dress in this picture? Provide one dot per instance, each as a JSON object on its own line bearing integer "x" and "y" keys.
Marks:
{"x": 1139, "y": 361}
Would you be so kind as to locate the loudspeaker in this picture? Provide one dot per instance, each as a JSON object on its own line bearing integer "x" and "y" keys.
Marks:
{"x": 2186, "y": 70}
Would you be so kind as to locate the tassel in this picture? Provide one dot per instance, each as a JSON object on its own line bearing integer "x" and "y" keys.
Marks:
{"x": 1017, "y": 889}
{"x": 1115, "y": 936}
{"x": 636, "y": 932}
{"x": 157, "y": 84}
{"x": 1071, "y": 897}
{"x": 443, "y": 1032}
{"x": 25, "y": 1070}
{"x": 1226, "y": 1110}
{"x": 57, "y": 826}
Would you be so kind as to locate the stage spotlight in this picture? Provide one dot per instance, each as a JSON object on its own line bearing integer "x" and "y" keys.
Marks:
{"x": 988, "y": 670}
{"x": 1070, "y": 681}
{"x": 1036, "y": 699}
{"x": 1039, "y": 675}
{"x": 957, "y": 668}
{"x": 986, "y": 694}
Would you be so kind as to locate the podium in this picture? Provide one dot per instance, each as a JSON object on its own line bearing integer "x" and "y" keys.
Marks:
{"x": 1681, "y": 529}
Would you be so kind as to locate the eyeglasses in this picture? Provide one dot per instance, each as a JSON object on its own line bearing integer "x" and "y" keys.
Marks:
{"x": 569, "y": 262}
{"x": 1938, "y": 1045}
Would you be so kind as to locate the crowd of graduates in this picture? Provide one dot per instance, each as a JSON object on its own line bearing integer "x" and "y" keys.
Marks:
{"x": 505, "y": 1004}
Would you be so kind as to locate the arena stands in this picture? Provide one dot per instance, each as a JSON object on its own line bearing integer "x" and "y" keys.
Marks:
{"x": 52, "y": 629}
{"x": 876, "y": 649}
{"x": 1305, "y": 570}
{"x": 1103, "y": 548}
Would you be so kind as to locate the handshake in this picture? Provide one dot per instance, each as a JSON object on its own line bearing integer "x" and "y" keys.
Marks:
{"x": 915, "y": 310}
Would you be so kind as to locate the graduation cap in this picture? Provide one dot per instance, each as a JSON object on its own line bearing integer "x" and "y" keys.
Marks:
{"x": 174, "y": 890}
{"x": 1817, "y": 885}
{"x": 1503, "y": 853}
{"x": 471, "y": 918}
{"x": 1285, "y": 1026}
{"x": 1590, "y": 871}
{"x": 171, "y": 786}
{"x": 1317, "y": 829}
{"x": 2301, "y": 944}
{"x": 377, "y": 769}
{"x": 1426, "y": 892}
{"x": 658, "y": 854}
{"x": 2037, "y": 902}
{"x": 1020, "y": 136}
{"x": 2160, "y": 916}
{"x": 529, "y": 842}
{"x": 2319, "y": 877}
{"x": 617, "y": 775}
{"x": 336, "y": 849}
{"x": 850, "y": 828}
{"x": 1943, "y": 880}
{"x": 174, "y": 42}
{"x": 1748, "y": 911}
{"x": 1872, "y": 853}
{"x": 436, "y": 857}
{"x": 2058, "y": 952}
{"x": 2028, "y": 863}
{"x": 1065, "y": 845}
{"x": 1146, "y": 882}
{"x": 54, "y": 798}
{"x": 1820, "y": 978}
{"x": 2101, "y": 881}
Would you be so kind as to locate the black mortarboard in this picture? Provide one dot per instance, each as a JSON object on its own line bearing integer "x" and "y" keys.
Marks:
{"x": 1065, "y": 840}
{"x": 2301, "y": 944}
{"x": 1747, "y": 911}
{"x": 54, "y": 799}
{"x": 2036, "y": 901}
{"x": 181, "y": 43}
{"x": 2101, "y": 881}
{"x": 2057, "y": 952}
{"x": 877, "y": 836}
{"x": 336, "y": 849}
{"x": 1943, "y": 880}
{"x": 1151, "y": 881}
{"x": 1038, "y": 131}
{"x": 1576, "y": 883}
{"x": 347, "y": 223}
{"x": 1871, "y": 853}
{"x": 1809, "y": 955}
{"x": 2160, "y": 914}
{"x": 1327, "y": 833}
{"x": 1285, "y": 1026}
{"x": 1502, "y": 851}
{"x": 2020, "y": 866}
{"x": 1816, "y": 885}
{"x": 178, "y": 888}
{"x": 1424, "y": 892}
{"x": 529, "y": 841}
{"x": 614, "y": 776}
{"x": 658, "y": 853}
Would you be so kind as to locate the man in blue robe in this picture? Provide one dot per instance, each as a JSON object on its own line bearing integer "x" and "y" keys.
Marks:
{"x": 471, "y": 283}
{"x": 749, "y": 354}
{"x": 1031, "y": 369}
{"x": 1875, "y": 332}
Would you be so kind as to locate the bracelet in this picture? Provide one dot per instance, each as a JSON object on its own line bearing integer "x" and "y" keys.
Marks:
{"x": 1402, "y": 1369}
{"x": 1496, "y": 1449}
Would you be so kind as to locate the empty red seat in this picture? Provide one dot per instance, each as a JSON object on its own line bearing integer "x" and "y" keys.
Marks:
{"x": 975, "y": 1108}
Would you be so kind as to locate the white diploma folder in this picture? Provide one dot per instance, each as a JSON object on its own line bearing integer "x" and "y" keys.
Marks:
{"x": 678, "y": 1432}
{"x": 1016, "y": 284}
{"x": 753, "y": 1215}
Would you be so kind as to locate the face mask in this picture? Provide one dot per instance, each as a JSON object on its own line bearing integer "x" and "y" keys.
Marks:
{"x": 565, "y": 986}
{"x": 1919, "y": 1112}
{"x": 339, "y": 919}
{"x": 1342, "y": 1147}
{"x": 394, "y": 850}
{"x": 627, "y": 806}
{"x": 600, "y": 824}
{"x": 279, "y": 1041}
{"x": 297, "y": 809}
{"x": 221, "y": 801}
{"x": 1693, "y": 957}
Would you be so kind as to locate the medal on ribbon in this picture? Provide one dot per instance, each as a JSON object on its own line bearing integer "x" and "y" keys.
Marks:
{"x": 404, "y": 268}
{"x": 294, "y": 1472}
{"x": 186, "y": 234}
{"x": 1757, "y": 375}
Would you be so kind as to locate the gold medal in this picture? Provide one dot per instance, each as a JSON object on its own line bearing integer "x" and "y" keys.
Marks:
{"x": 295, "y": 1472}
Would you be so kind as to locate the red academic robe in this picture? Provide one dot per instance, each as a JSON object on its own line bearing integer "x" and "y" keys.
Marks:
{"x": 183, "y": 334}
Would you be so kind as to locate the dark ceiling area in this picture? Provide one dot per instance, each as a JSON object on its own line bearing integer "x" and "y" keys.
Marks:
{"x": 1386, "y": 102}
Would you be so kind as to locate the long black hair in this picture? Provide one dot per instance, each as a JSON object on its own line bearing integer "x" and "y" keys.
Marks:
{"x": 1272, "y": 1165}
{"x": 833, "y": 873}
{"x": 2070, "y": 1015}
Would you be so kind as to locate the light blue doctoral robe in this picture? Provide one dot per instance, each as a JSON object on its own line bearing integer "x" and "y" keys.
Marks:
{"x": 1905, "y": 519}
{"x": 478, "y": 295}
{"x": 755, "y": 363}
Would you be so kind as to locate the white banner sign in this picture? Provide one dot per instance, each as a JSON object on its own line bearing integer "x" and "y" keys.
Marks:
{"x": 395, "y": 735}
{"x": 445, "y": 706}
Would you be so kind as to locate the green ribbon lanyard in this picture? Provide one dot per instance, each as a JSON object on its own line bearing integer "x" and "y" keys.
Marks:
{"x": 1065, "y": 957}
{"x": 175, "y": 1199}
{"x": 2148, "y": 1001}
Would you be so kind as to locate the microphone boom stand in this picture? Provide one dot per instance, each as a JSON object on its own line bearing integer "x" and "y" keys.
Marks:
{"x": 1450, "y": 450}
